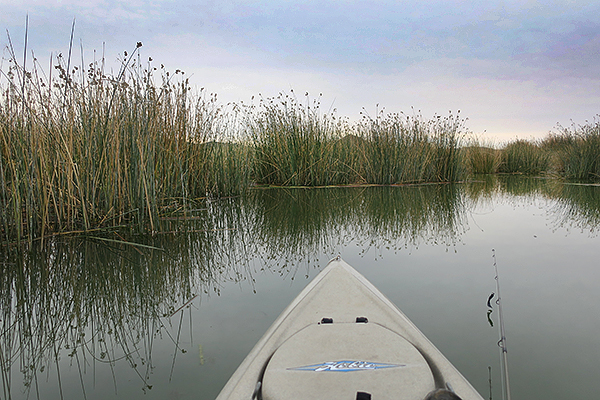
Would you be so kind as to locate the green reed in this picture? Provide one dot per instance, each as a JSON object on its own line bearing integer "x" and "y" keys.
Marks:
{"x": 482, "y": 157}
{"x": 408, "y": 149}
{"x": 578, "y": 149}
{"x": 86, "y": 151}
{"x": 524, "y": 157}
{"x": 83, "y": 150}
{"x": 296, "y": 144}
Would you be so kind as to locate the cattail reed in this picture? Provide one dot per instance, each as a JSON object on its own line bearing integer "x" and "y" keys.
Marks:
{"x": 578, "y": 150}
{"x": 83, "y": 150}
{"x": 399, "y": 148}
{"x": 481, "y": 157}
{"x": 524, "y": 157}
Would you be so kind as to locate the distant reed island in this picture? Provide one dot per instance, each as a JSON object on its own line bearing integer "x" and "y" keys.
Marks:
{"x": 83, "y": 151}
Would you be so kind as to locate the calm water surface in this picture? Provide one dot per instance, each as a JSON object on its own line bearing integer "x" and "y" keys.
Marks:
{"x": 98, "y": 320}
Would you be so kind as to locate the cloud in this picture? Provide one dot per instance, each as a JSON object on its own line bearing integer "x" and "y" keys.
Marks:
{"x": 526, "y": 65}
{"x": 93, "y": 13}
{"x": 575, "y": 52}
{"x": 502, "y": 108}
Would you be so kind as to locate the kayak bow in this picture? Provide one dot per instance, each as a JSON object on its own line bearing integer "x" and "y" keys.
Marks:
{"x": 341, "y": 338}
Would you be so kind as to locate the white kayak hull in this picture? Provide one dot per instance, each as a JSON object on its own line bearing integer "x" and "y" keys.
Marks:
{"x": 341, "y": 338}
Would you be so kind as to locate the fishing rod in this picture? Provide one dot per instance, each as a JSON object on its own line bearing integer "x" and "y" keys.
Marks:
{"x": 502, "y": 341}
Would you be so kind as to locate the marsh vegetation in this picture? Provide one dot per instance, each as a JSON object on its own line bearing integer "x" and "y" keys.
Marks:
{"x": 84, "y": 151}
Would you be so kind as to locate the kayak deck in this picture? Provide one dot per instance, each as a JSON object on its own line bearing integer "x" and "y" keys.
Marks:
{"x": 346, "y": 358}
{"x": 341, "y": 338}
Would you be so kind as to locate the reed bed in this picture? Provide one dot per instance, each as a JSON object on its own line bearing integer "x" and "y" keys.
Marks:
{"x": 408, "y": 149}
{"x": 481, "y": 157}
{"x": 578, "y": 150}
{"x": 86, "y": 151}
{"x": 82, "y": 150}
{"x": 296, "y": 144}
{"x": 524, "y": 157}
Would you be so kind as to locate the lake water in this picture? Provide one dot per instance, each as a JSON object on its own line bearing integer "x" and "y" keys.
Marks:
{"x": 97, "y": 319}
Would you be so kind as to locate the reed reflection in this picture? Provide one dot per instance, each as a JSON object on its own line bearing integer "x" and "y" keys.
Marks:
{"x": 88, "y": 302}
{"x": 101, "y": 301}
{"x": 577, "y": 206}
{"x": 572, "y": 204}
{"x": 298, "y": 223}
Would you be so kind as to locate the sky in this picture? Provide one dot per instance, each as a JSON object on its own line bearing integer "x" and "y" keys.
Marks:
{"x": 515, "y": 69}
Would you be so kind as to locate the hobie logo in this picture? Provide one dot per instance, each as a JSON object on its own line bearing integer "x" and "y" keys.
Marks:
{"x": 346, "y": 366}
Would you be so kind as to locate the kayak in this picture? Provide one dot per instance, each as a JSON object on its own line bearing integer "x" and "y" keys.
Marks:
{"x": 341, "y": 338}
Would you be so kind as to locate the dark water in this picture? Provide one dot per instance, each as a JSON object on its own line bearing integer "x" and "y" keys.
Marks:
{"x": 97, "y": 319}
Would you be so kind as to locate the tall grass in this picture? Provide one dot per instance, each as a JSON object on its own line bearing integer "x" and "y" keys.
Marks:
{"x": 407, "y": 149}
{"x": 482, "y": 157}
{"x": 578, "y": 148}
{"x": 82, "y": 150}
{"x": 524, "y": 157}
{"x": 296, "y": 143}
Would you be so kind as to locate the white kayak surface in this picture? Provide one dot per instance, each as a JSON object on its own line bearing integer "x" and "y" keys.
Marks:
{"x": 341, "y": 336}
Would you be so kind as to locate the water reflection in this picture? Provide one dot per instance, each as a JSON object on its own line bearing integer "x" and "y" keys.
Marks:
{"x": 574, "y": 205}
{"x": 577, "y": 206}
{"x": 485, "y": 188}
{"x": 88, "y": 302}
{"x": 91, "y": 303}
{"x": 298, "y": 223}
